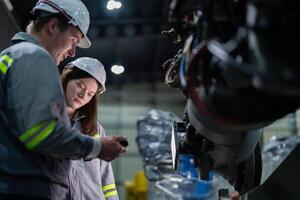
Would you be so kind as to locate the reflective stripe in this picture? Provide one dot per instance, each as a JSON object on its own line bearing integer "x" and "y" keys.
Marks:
{"x": 8, "y": 59}
{"x": 3, "y": 66}
{"x": 108, "y": 187}
{"x": 43, "y": 135}
{"x": 34, "y": 140}
{"x": 110, "y": 194}
{"x": 29, "y": 133}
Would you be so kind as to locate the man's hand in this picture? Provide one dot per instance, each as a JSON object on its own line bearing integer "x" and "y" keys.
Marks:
{"x": 111, "y": 147}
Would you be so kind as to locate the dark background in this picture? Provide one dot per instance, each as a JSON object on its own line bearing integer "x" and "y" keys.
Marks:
{"x": 129, "y": 36}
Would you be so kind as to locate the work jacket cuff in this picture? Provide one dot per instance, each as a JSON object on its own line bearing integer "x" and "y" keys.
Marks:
{"x": 95, "y": 150}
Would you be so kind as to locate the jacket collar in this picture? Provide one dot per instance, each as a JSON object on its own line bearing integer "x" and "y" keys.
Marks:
{"x": 22, "y": 36}
{"x": 76, "y": 119}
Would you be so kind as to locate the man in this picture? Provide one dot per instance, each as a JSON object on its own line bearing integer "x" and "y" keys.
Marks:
{"x": 36, "y": 140}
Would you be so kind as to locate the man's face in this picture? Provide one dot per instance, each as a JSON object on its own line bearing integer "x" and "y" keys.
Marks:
{"x": 64, "y": 43}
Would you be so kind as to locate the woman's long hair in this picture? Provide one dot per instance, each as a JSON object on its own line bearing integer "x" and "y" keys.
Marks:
{"x": 89, "y": 122}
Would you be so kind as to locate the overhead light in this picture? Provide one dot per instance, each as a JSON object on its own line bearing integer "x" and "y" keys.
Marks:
{"x": 118, "y": 4}
{"x": 112, "y": 4}
{"x": 117, "y": 69}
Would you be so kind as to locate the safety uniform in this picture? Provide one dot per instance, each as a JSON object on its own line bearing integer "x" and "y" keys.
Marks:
{"x": 36, "y": 139}
{"x": 92, "y": 179}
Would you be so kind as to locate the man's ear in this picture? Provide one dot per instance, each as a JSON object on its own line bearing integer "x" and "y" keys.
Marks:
{"x": 52, "y": 26}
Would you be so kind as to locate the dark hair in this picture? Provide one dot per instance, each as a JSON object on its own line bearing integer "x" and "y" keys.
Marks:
{"x": 89, "y": 122}
{"x": 39, "y": 19}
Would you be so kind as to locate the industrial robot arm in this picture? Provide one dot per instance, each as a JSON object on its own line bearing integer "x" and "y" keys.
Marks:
{"x": 236, "y": 78}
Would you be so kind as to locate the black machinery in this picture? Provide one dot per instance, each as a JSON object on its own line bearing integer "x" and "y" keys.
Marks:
{"x": 239, "y": 70}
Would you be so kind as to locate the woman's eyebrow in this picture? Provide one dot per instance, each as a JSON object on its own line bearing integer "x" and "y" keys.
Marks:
{"x": 86, "y": 87}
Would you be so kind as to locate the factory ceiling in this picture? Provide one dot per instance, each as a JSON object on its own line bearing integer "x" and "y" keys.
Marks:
{"x": 129, "y": 36}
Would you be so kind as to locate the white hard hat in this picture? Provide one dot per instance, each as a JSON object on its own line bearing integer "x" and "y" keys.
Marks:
{"x": 92, "y": 66}
{"x": 74, "y": 10}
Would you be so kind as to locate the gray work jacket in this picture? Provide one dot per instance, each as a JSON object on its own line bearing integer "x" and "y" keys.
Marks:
{"x": 92, "y": 180}
{"x": 36, "y": 140}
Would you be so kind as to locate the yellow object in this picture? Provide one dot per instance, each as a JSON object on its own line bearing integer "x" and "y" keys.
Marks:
{"x": 137, "y": 188}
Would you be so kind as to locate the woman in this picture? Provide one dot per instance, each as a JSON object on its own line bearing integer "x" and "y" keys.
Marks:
{"x": 83, "y": 80}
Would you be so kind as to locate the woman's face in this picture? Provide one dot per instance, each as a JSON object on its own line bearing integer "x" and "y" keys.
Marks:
{"x": 80, "y": 91}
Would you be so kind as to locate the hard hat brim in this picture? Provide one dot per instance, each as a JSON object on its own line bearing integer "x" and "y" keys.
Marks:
{"x": 84, "y": 42}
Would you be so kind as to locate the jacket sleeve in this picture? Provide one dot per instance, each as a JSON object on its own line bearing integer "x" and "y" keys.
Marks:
{"x": 36, "y": 105}
{"x": 107, "y": 176}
